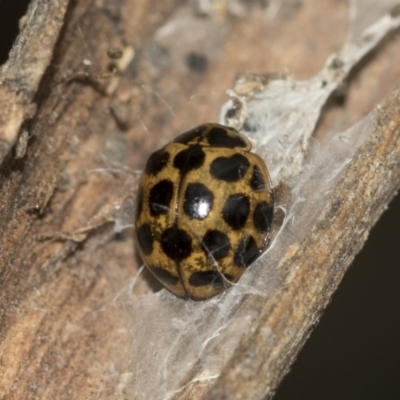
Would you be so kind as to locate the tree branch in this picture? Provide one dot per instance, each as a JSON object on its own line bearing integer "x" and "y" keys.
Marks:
{"x": 92, "y": 87}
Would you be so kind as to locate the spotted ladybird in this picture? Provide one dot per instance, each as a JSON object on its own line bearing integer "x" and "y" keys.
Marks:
{"x": 204, "y": 211}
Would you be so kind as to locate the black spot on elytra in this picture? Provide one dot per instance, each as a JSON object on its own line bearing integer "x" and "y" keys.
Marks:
{"x": 262, "y": 217}
{"x": 236, "y": 210}
{"x": 257, "y": 182}
{"x": 190, "y": 158}
{"x": 160, "y": 197}
{"x": 216, "y": 244}
{"x": 139, "y": 202}
{"x": 218, "y": 137}
{"x": 246, "y": 253}
{"x": 157, "y": 161}
{"x": 163, "y": 275}
{"x": 176, "y": 244}
{"x": 209, "y": 278}
{"x": 145, "y": 239}
{"x": 229, "y": 169}
{"x": 191, "y": 135}
{"x": 198, "y": 201}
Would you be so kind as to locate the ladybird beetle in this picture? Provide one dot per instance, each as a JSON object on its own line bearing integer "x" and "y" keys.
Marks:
{"x": 204, "y": 211}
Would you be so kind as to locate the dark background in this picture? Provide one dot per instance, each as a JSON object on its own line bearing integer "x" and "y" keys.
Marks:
{"x": 354, "y": 353}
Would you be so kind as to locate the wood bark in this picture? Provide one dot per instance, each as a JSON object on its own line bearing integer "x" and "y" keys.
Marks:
{"x": 87, "y": 83}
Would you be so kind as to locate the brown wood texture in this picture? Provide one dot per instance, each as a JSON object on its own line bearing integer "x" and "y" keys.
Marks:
{"x": 362, "y": 194}
{"x": 93, "y": 119}
{"x": 21, "y": 75}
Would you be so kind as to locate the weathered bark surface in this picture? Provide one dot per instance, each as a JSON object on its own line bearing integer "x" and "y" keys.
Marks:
{"x": 53, "y": 345}
{"x": 370, "y": 182}
{"x": 58, "y": 325}
{"x": 21, "y": 75}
